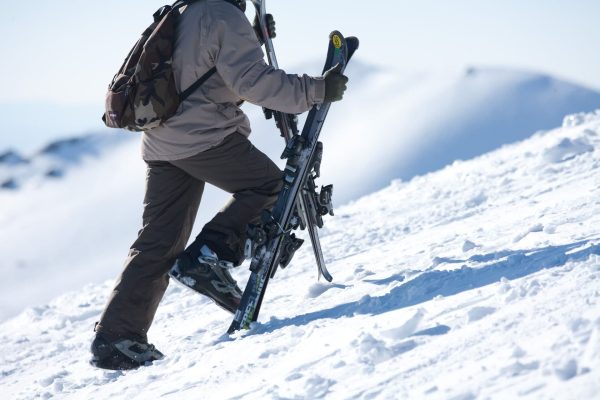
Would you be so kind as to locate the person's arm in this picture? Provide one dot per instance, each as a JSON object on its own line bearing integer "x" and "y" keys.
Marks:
{"x": 236, "y": 52}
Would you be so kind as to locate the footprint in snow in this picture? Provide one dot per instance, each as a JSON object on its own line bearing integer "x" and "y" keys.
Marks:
{"x": 476, "y": 201}
{"x": 317, "y": 387}
{"x": 567, "y": 370}
{"x": 372, "y": 351}
{"x": 396, "y": 278}
{"x": 591, "y": 354}
{"x": 294, "y": 377}
{"x": 477, "y": 313}
{"x": 317, "y": 289}
{"x": 45, "y": 382}
{"x": 567, "y": 149}
{"x": 405, "y": 330}
{"x": 468, "y": 246}
{"x": 518, "y": 368}
{"x": 437, "y": 330}
{"x": 511, "y": 291}
{"x": 534, "y": 229}
{"x": 518, "y": 352}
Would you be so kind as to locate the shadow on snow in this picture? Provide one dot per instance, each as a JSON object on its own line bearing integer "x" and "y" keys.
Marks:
{"x": 510, "y": 264}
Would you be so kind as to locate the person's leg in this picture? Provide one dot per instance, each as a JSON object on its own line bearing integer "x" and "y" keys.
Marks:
{"x": 237, "y": 167}
{"x": 170, "y": 206}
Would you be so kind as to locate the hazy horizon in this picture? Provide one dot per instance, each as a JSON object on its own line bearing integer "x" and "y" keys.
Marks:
{"x": 64, "y": 56}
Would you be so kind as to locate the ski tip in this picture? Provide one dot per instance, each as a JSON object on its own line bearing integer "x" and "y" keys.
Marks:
{"x": 337, "y": 39}
{"x": 352, "y": 43}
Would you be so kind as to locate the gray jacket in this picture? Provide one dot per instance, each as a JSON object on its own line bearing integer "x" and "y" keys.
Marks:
{"x": 216, "y": 33}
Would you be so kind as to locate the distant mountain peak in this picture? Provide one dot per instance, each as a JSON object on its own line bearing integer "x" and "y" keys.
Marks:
{"x": 11, "y": 157}
{"x": 56, "y": 158}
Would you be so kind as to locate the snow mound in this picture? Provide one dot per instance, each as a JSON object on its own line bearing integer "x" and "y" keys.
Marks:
{"x": 567, "y": 149}
{"x": 477, "y": 281}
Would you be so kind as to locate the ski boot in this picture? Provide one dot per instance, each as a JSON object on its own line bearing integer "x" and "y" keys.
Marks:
{"x": 208, "y": 275}
{"x": 122, "y": 354}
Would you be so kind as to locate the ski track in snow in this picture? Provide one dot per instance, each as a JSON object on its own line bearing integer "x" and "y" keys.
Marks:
{"x": 481, "y": 280}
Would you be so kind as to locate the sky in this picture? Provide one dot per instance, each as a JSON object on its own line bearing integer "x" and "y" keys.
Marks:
{"x": 62, "y": 54}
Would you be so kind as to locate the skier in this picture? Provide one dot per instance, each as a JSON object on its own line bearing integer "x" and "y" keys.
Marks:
{"x": 206, "y": 141}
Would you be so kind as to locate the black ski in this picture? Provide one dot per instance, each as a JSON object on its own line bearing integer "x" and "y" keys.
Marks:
{"x": 273, "y": 243}
{"x": 288, "y": 126}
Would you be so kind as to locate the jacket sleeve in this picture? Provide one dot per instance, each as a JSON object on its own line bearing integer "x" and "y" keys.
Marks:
{"x": 236, "y": 52}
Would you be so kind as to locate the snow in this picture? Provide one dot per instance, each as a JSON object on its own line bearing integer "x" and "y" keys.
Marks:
{"x": 69, "y": 212}
{"x": 480, "y": 280}
{"x": 56, "y": 234}
{"x": 414, "y": 123}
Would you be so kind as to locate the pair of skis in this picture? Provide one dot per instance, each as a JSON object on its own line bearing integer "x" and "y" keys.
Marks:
{"x": 288, "y": 125}
{"x": 299, "y": 205}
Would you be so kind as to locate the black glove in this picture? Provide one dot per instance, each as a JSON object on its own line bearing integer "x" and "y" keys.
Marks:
{"x": 270, "y": 28}
{"x": 335, "y": 84}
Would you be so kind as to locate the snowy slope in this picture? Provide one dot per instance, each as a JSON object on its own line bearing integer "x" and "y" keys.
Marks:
{"x": 481, "y": 280}
{"x": 398, "y": 125}
{"x": 69, "y": 212}
{"x": 58, "y": 233}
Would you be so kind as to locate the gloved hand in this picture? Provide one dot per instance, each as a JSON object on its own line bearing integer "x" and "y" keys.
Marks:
{"x": 270, "y": 28}
{"x": 335, "y": 84}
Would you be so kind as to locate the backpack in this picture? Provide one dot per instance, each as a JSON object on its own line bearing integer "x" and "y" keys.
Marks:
{"x": 143, "y": 94}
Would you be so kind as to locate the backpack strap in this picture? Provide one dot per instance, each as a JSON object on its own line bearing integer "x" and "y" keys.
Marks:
{"x": 194, "y": 86}
{"x": 187, "y": 92}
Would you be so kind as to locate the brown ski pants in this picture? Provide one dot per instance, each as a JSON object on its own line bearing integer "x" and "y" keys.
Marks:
{"x": 173, "y": 193}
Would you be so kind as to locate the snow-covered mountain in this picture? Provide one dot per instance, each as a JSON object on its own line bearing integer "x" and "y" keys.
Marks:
{"x": 481, "y": 280}
{"x": 55, "y": 159}
{"x": 75, "y": 206}
{"x": 396, "y": 126}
